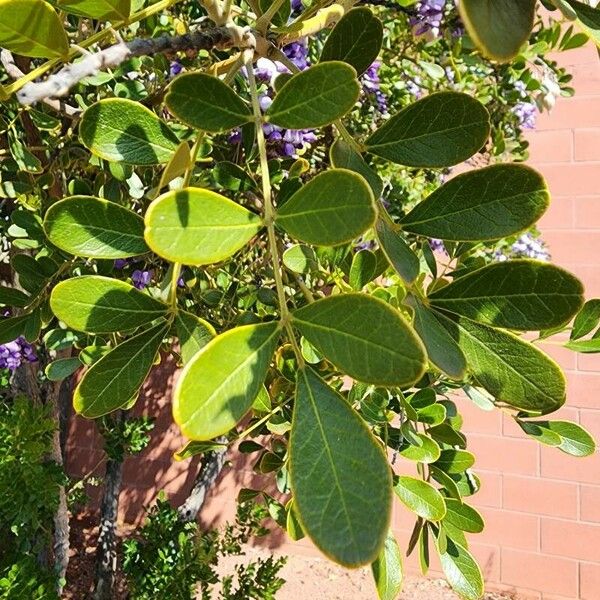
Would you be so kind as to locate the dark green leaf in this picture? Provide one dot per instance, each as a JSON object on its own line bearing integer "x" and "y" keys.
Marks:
{"x": 12, "y": 328}
{"x": 195, "y": 448}
{"x": 339, "y": 473}
{"x": 568, "y": 437}
{"x": 486, "y": 204}
{"x": 586, "y": 320}
{"x": 62, "y": 368}
{"x": 463, "y": 517}
{"x": 440, "y": 130}
{"x": 404, "y": 261}
{"x": 362, "y": 270}
{"x": 454, "y": 461}
{"x": 387, "y": 570}
{"x": 343, "y": 156}
{"x": 13, "y": 297}
{"x": 588, "y": 18}
{"x": 462, "y": 571}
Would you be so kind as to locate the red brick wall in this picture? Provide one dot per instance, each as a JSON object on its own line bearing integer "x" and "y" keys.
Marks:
{"x": 542, "y": 507}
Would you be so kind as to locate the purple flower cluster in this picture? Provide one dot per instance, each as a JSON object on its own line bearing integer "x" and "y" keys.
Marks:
{"x": 527, "y": 114}
{"x": 371, "y": 86}
{"x": 526, "y": 246}
{"x": 428, "y": 18}
{"x": 437, "y": 246}
{"x": 139, "y": 277}
{"x": 15, "y": 353}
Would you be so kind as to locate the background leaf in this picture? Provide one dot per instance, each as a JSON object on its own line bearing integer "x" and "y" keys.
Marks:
{"x": 364, "y": 337}
{"x": 485, "y": 204}
{"x": 193, "y": 334}
{"x": 103, "y": 10}
{"x": 403, "y": 260}
{"x": 94, "y": 228}
{"x": 440, "y": 130}
{"x": 340, "y": 477}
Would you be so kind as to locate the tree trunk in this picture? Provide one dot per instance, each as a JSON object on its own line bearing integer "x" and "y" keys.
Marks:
{"x": 211, "y": 468}
{"x": 106, "y": 550}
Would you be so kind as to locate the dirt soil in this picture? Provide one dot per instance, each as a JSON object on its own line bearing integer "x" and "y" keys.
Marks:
{"x": 306, "y": 578}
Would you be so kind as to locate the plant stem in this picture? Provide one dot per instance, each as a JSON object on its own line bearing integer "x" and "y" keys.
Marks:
{"x": 269, "y": 211}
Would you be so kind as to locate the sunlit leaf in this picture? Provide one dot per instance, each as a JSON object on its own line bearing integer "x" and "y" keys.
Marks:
{"x": 420, "y": 497}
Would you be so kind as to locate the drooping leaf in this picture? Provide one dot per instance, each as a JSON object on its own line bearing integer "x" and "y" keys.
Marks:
{"x": 195, "y": 448}
{"x": 364, "y": 337}
{"x": 193, "y": 334}
{"x": 387, "y": 570}
{"x": 103, "y": 10}
{"x": 98, "y": 304}
{"x": 334, "y": 207}
{"x": 343, "y": 156}
{"x": 281, "y": 17}
{"x": 315, "y": 97}
{"x": 586, "y": 320}
{"x": 180, "y": 162}
{"x": 356, "y": 39}
{"x": 218, "y": 386}
{"x": 512, "y": 370}
{"x": 404, "y": 261}
{"x": 585, "y": 346}
{"x": 116, "y": 378}
{"x": 62, "y": 368}
{"x": 498, "y": 27}
{"x": 461, "y": 570}
{"x": 32, "y": 28}
{"x": 124, "y": 131}
{"x": 440, "y": 130}
{"x": 205, "y": 102}
{"x": 363, "y": 268}
{"x": 519, "y": 294}
{"x": 13, "y": 327}
{"x": 588, "y": 17}
{"x": 442, "y": 350}
{"x": 13, "y": 297}
{"x": 568, "y": 437}
{"x": 95, "y": 228}
{"x": 195, "y": 226}
{"x": 420, "y": 497}
{"x": 340, "y": 476}
{"x": 463, "y": 516}
{"x": 485, "y": 204}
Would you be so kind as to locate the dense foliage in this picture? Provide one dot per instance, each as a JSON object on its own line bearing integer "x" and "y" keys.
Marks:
{"x": 268, "y": 198}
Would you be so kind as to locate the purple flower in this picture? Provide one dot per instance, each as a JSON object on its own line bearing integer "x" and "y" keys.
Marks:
{"x": 297, "y": 52}
{"x": 412, "y": 87}
{"x": 428, "y": 18}
{"x": 528, "y": 246}
{"x": 141, "y": 279}
{"x": 527, "y": 114}
{"x": 15, "y": 353}
{"x": 297, "y": 6}
{"x": 175, "y": 68}
{"x": 371, "y": 86}
{"x": 437, "y": 245}
{"x": 121, "y": 263}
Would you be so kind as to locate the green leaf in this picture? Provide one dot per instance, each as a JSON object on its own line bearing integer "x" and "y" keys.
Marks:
{"x": 442, "y": 349}
{"x": 454, "y": 461}
{"x": 103, "y": 305}
{"x": 12, "y": 328}
{"x": 300, "y": 259}
{"x": 193, "y": 334}
{"x": 343, "y": 156}
{"x": 334, "y": 207}
{"x": 585, "y": 346}
{"x": 498, "y": 27}
{"x": 568, "y": 437}
{"x": 32, "y": 28}
{"x": 218, "y": 386}
{"x": 387, "y": 570}
{"x": 446, "y": 434}
{"x": 205, "y": 102}
{"x": 13, "y": 297}
{"x": 363, "y": 337}
{"x": 519, "y": 294}
{"x": 340, "y": 476}
{"x": 179, "y": 163}
{"x": 420, "y": 497}
{"x": 588, "y": 18}
{"x": 486, "y": 204}
{"x": 62, "y": 368}
{"x": 446, "y": 482}
{"x": 362, "y": 270}
{"x": 441, "y": 130}
{"x": 281, "y": 17}
{"x": 461, "y": 570}
{"x": 512, "y": 370}
{"x": 315, "y": 97}
{"x": 195, "y": 448}
{"x": 428, "y": 452}
{"x": 463, "y": 516}
{"x": 125, "y": 131}
{"x": 356, "y": 39}
{"x": 94, "y": 228}
{"x": 586, "y": 320}
{"x": 195, "y": 226}
{"x": 116, "y": 378}
{"x": 102, "y": 10}
{"x": 404, "y": 261}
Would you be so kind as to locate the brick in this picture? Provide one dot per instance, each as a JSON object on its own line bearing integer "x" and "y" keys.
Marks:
{"x": 551, "y": 146}
{"x": 558, "y": 465}
{"x": 571, "y": 179}
{"x": 488, "y": 558}
{"x": 587, "y": 144}
{"x": 560, "y": 214}
{"x": 510, "y": 529}
{"x": 540, "y": 496}
{"x": 586, "y": 213}
{"x": 590, "y": 420}
{"x": 504, "y": 454}
{"x": 589, "y": 577}
{"x": 572, "y": 113}
{"x": 583, "y": 389}
{"x": 573, "y": 246}
{"x": 476, "y": 420}
{"x": 589, "y": 503}
{"x": 588, "y": 362}
{"x": 490, "y": 492}
{"x": 545, "y": 573}
{"x": 570, "y": 539}
{"x": 566, "y": 358}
